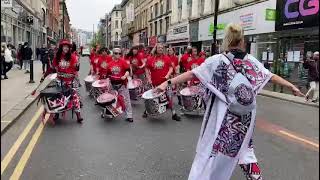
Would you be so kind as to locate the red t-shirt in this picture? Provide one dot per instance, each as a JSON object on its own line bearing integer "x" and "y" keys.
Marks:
{"x": 103, "y": 65}
{"x": 94, "y": 62}
{"x": 66, "y": 69}
{"x": 195, "y": 62}
{"x": 118, "y": 68}
{"x": 159, "y": 67}
{"x": 185, "y": 59}
{"x": 137, "y": 61}
{"x": 175, "y": 61}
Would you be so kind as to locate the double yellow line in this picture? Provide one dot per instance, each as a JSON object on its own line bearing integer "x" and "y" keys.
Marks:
{"x": 27, "y": 153}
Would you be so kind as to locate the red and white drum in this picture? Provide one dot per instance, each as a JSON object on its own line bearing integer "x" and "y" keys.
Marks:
{"x": 192, "y": 98}
{"x": 155, "y": 103}
{"x": 88, "y": 82}
{"x": 100, "y": 86}
{"x": 110, "y": 103}
{"x": 135, "y": 88}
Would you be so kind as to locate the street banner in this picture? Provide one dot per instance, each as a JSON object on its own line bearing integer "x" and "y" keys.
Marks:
{"x": 294, "y": 14}
{"x": 6, "y": 3}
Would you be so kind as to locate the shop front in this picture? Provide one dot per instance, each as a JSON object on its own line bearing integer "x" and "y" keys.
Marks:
{"x": 252, "y": 18}
{"x": 178, "y": 37}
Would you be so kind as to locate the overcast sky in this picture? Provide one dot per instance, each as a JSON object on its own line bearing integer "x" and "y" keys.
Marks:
{"x": 84, "y": 13}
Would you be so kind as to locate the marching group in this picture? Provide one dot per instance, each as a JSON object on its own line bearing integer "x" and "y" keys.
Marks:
{"x": 231, "y": 79}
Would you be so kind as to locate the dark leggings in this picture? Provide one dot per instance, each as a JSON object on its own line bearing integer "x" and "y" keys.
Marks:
{"x": 7, "y": 67}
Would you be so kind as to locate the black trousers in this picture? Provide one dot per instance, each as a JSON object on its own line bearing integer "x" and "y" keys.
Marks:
{"x": 7, "y": 67}
{"x": 45, "y": 66}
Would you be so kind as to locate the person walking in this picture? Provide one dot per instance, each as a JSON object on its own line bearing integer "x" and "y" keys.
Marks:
{"x": 233, "y": 78}
{"x": 44, "y": 58}
{"x": 8, "y": 61}
{"x": 3, "y": 47}
{"x": 26, "y": 55}
{"x": 313, "y": 77}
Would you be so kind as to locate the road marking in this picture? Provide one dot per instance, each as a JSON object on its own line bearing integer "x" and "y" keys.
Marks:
{"x": 27, "y": 153}
{"x": 5, "y": 121}
{"x": 299, "y": 138}
{"x": 7, "y": 159}
{"x": 286, "y": 134}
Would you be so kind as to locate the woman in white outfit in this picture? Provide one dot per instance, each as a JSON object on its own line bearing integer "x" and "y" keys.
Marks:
{"x": 233, "y": 80}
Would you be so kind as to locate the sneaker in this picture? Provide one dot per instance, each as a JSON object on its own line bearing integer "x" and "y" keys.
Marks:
{"x": 145, "y": 115}
{"x": 80, "y": 120}
{"x": 314, "y": 101}
{"x": 176, "y": 117}
{"x": 5, "y": 77}
{"x": 129, "y": 120}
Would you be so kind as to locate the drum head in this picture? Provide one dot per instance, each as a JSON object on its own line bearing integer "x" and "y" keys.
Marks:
{"x": 151, "y": 95}
{"x": 90, "y": 78}
{"x": 105, "y": 98}
{"x": 190, "y": 91}
{"x": 100, "y": 83}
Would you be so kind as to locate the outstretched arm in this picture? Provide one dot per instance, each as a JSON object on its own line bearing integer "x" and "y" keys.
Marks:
{"x": 280, "y": 81}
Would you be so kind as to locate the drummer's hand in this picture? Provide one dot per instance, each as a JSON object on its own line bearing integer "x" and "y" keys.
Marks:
{"x": 162, "y": 87}
{"x": 123, "y": 77}
{"x": 149, "y": 81}
{"x": 167, "y": 77}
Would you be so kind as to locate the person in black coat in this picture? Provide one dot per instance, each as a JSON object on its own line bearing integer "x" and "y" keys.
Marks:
{"x": 26, "y": 54}
{"x": 44, "y": 57}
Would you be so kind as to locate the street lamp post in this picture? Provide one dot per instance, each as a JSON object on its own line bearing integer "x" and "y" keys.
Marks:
{"x": 214, "y": 44}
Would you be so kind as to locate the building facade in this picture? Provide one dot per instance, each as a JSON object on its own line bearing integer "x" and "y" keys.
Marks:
{"x": 115, "y": 26}
{"x": 127, "y": 16}
{"x": 53, "y": 21}
{"x": 64, "y": 20}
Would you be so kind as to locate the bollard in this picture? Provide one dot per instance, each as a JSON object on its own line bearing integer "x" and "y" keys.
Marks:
{"x": 31, "y": 71}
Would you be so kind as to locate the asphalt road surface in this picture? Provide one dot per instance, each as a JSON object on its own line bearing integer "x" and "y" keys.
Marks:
{"x": 286, "y": 140}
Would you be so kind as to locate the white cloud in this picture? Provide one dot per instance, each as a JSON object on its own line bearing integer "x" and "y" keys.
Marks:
{"x": 84, "y": 13}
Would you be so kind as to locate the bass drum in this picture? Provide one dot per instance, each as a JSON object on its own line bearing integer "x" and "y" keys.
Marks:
{"x": 100, "y": 86}
{"x": 88, "y": 82}
{"x": 155, "y": 104}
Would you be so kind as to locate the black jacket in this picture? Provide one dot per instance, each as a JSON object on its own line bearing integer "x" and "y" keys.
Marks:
{"x": 313, "y": 70}
{"x": 26, "y": 53}
{"x": 44, "y": 55}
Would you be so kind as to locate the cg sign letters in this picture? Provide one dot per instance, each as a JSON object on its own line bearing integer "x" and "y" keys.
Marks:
{"x": 294, "y": 14}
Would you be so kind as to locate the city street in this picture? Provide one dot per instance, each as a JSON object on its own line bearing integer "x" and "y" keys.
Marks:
{"x": 286, "y": 140}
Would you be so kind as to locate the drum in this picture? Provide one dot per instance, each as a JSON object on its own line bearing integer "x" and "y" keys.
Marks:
{"x": 88, "y": 82}
{"x": 191, "y": 98}
{"x": 135, "y": 88}
{"x": 56, "y": 99}
{"x": 99, "y": 87}
{"x": 155, "y": 104}
{"x": 107, "y": 99}
{"x": 110, "y": 104}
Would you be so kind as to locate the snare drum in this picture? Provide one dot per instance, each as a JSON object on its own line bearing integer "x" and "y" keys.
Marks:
{"x": 99, "y": 87}
{"x": 109, "y": 103}
{"x": 88, "y": 82}
{"x": 192, "y": 98}
{"x": 135, "y": 88}
{"x": 155, "y": 104}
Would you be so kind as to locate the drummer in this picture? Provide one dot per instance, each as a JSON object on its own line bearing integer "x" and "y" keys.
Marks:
{"x": 119, "y": 69}
{"x": 195, "y": 61}
{"x": 66, "y": 65}
{"x": 137, "y": 63}
{"x": 158, "y": 70}
{"x": 103, "y": 63}
{"x": 94, "y": 59}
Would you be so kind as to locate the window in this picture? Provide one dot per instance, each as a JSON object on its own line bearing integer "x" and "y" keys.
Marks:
{"x": 161, "y": 7}
{"x": 168, "y": 5}
{"x": 155, "y": 28}
{"x": 167, "y": 24}
{"x": 151, "y": 12}
{"x": 149, "y": 28}
{"x": 116, "y": 13}
{"x": 117, "y": 36}
{"x": 156, "y": 9}
{"x": 117, "y": 24}
{"x": 160, "y": 24}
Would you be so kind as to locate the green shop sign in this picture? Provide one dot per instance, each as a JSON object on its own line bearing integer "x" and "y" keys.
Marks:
{"x": 271, "y": 14}
{"x": 219, "y": 27}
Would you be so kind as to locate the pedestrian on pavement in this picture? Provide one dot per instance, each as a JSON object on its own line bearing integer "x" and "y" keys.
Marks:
{"x": 19, "y": 58}
{"x": 226, "y": 133}
{"x": 51, "y": 54}
{"x": 38, "y": 52}
{"x": 119, "y": 71}
{"x": 313, "y": 76}
{"x": 8, "y": 61}
{"x": 3, "y": 47}
{"x": 44, "y": 57}
{"x": 26, "y": 55}
{"x": 158, "y": 70}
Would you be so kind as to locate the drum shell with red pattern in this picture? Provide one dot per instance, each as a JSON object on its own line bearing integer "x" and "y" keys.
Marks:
{"x": 155, "y": 104}
{"x": 135, "y": 89}
{"x": 191, "y": 97}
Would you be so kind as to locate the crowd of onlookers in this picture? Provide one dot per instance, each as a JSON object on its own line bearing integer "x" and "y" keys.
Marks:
{"x": 20, "y": 57}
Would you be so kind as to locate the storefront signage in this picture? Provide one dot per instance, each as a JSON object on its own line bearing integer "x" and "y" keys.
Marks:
{"x": 271, "y": 14}
{"x": 293, "y": 14}
{"x": 178, "y": 32}
{"x": 251, "y": 18}
{"x": 6, "y": 3}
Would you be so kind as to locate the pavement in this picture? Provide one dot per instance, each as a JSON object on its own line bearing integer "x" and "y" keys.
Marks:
{"x": 16, "y": 94}
{"x": 286, "y": 140}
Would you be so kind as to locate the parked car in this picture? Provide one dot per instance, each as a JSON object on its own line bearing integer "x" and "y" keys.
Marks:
{"x": 86, "y": 52}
